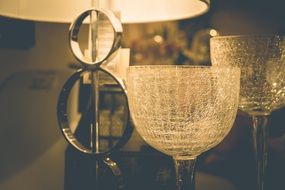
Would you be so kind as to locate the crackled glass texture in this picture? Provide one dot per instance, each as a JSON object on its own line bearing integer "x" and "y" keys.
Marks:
{"x": 183, "y": 110}
{"x": 262, "y": 63}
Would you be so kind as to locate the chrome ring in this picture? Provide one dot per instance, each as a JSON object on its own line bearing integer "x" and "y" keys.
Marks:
{"x": 73, "y": 38}
{"x": 64, "y": 123}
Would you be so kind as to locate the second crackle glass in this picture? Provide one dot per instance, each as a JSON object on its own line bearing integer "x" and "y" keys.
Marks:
{"x": 262, "y": 63}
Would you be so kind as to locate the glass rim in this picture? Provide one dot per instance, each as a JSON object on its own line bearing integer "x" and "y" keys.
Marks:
{"x": 183, "y": 66}
{"x": 178, "y": 66}
{"x": 247, "y": 36}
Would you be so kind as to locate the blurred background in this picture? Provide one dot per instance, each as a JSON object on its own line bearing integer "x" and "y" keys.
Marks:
{"x": 35, "y": 61}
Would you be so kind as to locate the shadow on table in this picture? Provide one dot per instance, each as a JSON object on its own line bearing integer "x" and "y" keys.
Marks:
{"x": 147, "y": 169}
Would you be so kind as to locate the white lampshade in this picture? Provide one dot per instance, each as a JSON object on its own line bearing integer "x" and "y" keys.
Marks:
{"x": 132, "y": 11}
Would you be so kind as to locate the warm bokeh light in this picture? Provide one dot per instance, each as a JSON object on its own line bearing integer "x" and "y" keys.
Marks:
{"x": 213, "y": 32}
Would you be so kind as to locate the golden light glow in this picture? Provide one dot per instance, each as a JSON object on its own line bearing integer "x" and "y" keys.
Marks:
{"x": 213, "y": 32}
{"x": 158, "y": 39}
{"x": 131, "y": 11}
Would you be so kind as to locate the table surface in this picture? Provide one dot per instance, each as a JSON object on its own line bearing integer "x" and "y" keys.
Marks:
{"x": 47, "y": 171}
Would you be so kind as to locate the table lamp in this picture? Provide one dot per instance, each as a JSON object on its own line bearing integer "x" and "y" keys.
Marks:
{"x": 132, "y": 11}
{"x": 105, "y": 34}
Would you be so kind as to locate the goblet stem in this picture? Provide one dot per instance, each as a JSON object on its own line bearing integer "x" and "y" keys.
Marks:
{"x": 185, "y": 173}
{"x": 260, "y": 134}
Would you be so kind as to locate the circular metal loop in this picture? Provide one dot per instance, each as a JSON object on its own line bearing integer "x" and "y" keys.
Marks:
{"x": 65, "y": 126}
{"x": 116, "y": 43}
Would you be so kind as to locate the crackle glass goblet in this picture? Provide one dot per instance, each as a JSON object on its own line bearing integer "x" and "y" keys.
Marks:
{"x": 262, "y": 64}
{"x": 183, "y": 111}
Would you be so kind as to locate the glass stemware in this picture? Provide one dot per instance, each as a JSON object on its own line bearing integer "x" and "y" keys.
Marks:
{"x": 183, "y": 111}
{"x": 262, "y": 63}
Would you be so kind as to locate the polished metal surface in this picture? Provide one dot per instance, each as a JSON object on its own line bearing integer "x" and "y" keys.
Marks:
{"x": 73, "y": 38}
{"x": 105, "y": 39}
{"x": 64, "y": 122}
